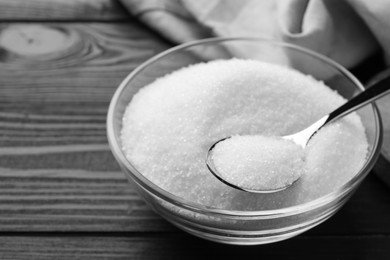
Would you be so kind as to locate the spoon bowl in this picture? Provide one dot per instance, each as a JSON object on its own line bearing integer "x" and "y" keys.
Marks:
{"x": 212, "y": 168}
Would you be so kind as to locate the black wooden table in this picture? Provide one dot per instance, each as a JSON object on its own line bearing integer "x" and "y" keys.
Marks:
{"x": 62, "y": 195}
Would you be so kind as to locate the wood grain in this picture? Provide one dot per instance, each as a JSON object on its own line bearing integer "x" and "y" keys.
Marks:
{"x": 86, "y": 64}
{"x": 72, "y": 200}
{"x": 182, "y": 246}
{"x": 65, "y": 10}
{"x": 42, "y": 128}
{"x": 56, "y": 170}
{"x": 59, "y": 186}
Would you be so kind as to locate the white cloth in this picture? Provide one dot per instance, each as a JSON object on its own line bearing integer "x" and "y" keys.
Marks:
{"x": 347, "y": 31}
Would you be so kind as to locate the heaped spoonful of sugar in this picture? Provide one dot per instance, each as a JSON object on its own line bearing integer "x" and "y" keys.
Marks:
{"x": 257, "y": 162}
{"x": 263, "y": 164}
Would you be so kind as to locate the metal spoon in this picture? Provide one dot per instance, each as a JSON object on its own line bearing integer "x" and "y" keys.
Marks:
{"x": 377, "y": 90}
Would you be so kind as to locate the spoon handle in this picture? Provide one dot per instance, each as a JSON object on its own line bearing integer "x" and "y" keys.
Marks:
{"x": 377, "y": 90}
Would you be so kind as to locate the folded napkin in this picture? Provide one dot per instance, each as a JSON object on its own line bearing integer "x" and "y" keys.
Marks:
{"x": 347, "y": 31}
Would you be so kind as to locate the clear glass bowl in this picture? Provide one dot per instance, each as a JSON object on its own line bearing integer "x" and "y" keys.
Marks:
{"x": 241, "y": 227}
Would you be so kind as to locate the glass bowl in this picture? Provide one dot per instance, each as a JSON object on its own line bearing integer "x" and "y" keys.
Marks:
{"x": 238, "y": 226}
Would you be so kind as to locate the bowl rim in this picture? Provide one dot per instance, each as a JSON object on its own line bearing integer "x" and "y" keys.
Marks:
{"x": 154, "y": 189}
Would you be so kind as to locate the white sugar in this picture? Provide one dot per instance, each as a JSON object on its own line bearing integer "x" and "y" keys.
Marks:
{"x": 170, "y": 124}
{"x": 258, "y": 162}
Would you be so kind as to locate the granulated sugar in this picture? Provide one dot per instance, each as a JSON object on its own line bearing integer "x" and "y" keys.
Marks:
{"x": 170, "y": 124}
{"x": 258, "y": 162}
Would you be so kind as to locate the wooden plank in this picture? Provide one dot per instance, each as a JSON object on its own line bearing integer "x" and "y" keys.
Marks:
{"x": 56, "y": 80}
{"x": 72, "y": 200}
{"x": 70, "y": 62}
{"x": 181, "y": 246}
{"x": 25, "y": 127}
{"x": 66, "y": 10}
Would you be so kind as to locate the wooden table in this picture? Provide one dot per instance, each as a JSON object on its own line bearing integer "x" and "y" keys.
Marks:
{"x": 62, "y": 195}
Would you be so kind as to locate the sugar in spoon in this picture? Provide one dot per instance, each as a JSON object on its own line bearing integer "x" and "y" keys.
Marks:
{"x": 377, "y": 90}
